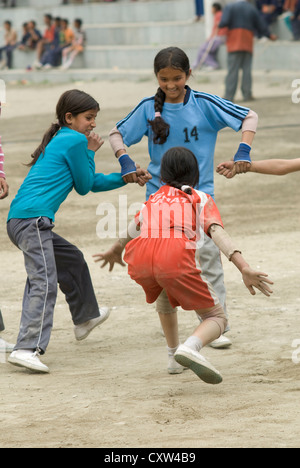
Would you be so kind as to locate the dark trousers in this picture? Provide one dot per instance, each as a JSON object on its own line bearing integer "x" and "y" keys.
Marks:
{"x": 239, "y": 61}
{"x": 199, "y": 7}
{"x": 9, "y": 54}
{"x": 50, "y": 259}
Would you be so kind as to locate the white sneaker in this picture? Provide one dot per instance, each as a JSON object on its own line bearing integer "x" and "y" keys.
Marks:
{"x": 37, "y": 65}
{"x": 221, "y": 343}
{"x": 28, "y": 359}
{"x": 6, "y": 347}
{"x": 174, "y": 367}
{"x": 82, "y": 331}
{"x": 187, "y": 357}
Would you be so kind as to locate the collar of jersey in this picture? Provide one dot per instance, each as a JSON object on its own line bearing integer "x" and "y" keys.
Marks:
{"x": 187, "y": 95}
{"x": 180, "y": 105}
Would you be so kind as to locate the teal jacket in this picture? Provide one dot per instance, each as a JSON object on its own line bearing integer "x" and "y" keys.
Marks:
{"x": 66, "y": 164}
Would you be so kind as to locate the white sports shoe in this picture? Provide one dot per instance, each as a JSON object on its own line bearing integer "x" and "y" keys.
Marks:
{"x": 221, "y": 343}
{"x": 28, "y": 359}
{"x": 187, "y": 357}
{"x": 82, "y": 331}
{"x": 174, "y": 367}
{"x": 6, "y": 347}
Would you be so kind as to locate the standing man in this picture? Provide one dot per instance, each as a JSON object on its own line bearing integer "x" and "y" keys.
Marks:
{"x": 243, "y": 21}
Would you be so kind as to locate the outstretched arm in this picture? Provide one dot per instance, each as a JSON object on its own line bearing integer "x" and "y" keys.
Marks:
{"x": 252, "y": 279}
{"x": 114, "y": 254}
{"x": 276, "y": 166}
{"x": 269, "y": 166}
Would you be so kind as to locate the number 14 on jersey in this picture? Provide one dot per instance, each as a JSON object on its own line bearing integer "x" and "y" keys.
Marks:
{"x": 189, "y": 134}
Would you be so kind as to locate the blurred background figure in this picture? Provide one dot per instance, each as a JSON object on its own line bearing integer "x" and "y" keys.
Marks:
{"x": 208, "y": 51}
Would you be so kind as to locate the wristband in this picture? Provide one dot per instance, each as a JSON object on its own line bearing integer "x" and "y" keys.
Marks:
{"x": 127, "y": 165}
{"x": 243, "y": 153}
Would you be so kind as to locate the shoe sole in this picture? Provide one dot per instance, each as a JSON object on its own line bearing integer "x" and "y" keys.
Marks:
{"x": 83, "y": 337}
{"x": 172, "y": 371}
{"x": 26, "y": 365}
{"x": 201, "y": 369}
{"x": 220, "y": 346}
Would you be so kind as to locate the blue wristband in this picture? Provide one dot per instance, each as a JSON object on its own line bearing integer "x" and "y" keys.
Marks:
{"x": 243, "y": 153}
{"x": 127, "y": 165}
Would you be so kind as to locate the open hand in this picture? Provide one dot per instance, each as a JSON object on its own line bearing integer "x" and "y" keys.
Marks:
{"x": 94, "y": 141}
{"x": 4, "y": 189}
{"x": 254, "y": 279}
{"x": 112, "y": 256}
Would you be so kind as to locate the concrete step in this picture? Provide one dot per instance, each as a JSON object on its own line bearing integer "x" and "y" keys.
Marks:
{"x": 142, "y": 33}
{"x": 278, "y": 81}
{"x": 280, "y": 55}
{"x": 103, "y": 13}
{"x": 158, "y": 32}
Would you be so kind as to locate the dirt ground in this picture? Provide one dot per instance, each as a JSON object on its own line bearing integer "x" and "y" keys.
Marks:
{"x": 113, "y": 390}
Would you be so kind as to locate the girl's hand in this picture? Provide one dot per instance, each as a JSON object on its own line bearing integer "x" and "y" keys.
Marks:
{"x": 4, "y": 189}
{"x": 94, "y": 141}
{"x": 143, "y": 176}
{"x": 112, "y": 256}
{"x": 241, "y": 167}
{"x": 254, "y": 279}
{"x": 227, "y": 169}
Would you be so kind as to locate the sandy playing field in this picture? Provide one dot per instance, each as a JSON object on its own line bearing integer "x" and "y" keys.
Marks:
{"x": 112, "y": 390}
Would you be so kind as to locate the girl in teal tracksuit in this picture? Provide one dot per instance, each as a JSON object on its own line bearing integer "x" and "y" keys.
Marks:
{"x": 63, "y": 161}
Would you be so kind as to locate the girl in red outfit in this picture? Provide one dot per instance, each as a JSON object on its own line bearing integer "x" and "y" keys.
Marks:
{"x": 163, "y": 260}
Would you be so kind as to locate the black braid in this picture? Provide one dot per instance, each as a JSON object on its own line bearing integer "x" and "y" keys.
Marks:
{"x": 160, "y": 128}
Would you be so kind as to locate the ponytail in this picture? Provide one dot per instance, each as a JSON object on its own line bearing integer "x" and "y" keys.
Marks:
{"x": 160, "y": 128}
{"x": 184, "y": 188}
{"x": 179, "y": 169}
{"x": 46, "y": 139}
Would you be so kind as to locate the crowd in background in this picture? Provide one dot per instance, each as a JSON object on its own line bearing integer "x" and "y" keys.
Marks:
{"x": 57, "y": 45}
{"x": 60, "y": 42}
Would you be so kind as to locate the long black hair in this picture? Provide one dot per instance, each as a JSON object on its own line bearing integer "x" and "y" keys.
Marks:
{"x": 74, "y": 102}
{"x": 179, "y": 167}
{"x": 172, "y": 57}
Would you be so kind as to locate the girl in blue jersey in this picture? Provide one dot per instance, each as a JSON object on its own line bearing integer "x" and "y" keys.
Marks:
{"x": 64, "y": 160}
{"x": 179, "y": 116}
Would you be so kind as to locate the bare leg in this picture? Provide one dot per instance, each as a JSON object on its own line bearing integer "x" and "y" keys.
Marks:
{"x": 188, "y": 354}
{"x": 169, "y": 323}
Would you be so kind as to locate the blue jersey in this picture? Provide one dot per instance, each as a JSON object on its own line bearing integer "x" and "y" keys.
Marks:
{"x": 194, "y": 124}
